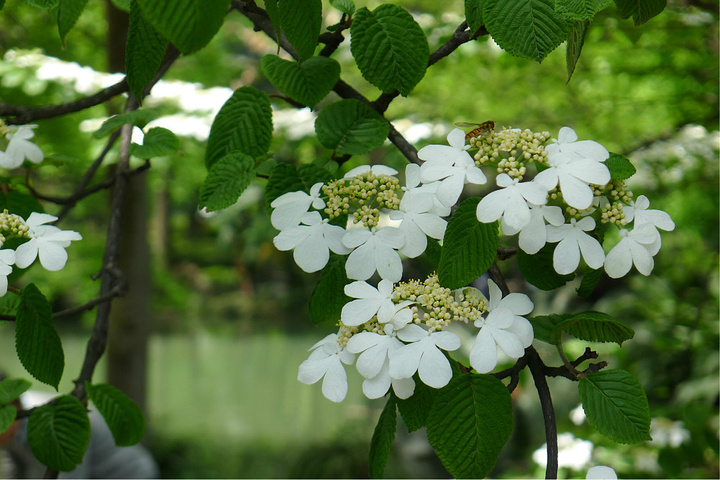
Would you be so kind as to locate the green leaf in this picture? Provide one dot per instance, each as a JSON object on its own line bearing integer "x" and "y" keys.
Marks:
{"x": 12, "y": 388}
{"x": 328, "y": 297}
{"x": 308, "y": 82}
{"x": 383, "y": 438}
{"x": 2, "y": 4}
{"x": 123, "y": 5}
{"x": 415, "y": 410}
{"x": 301, "y": 21}
{"x": 144, "y": 51}
{"x": 188, "y": 24}
{"x": 616, "y": 405}
{"x": 271, "y": 7}
{"x": 68, "y": 13}
{"x": 469, "y": 246}
{"x": 589, "y": 281}
{"x": 389, "y": 47}
{"x": 539, "y": 271}
{"x": 122, "y": 415}
{"x": 44, "y": 4}
{"x": 9, "y": 304}
{"x": 576, "y": 40}
{"x": 20, "y": 201}
{"x": 525, "y": 28}
{"x": 345, "y": 6}
{"x": 59, "y": 433}
{"x": 7, "y": 417}
{"x": 640, "y": 10}
{"x": 543, "y": 325}
{"x": 580, "y": 9}
{"x": 286, "y": 178}
{"x": 593, "y": 327}
{"x": 139, "y": 118}
{"x": 469, "y": 423}
{"x": 620, "y": 167}
{"x": 226, "y": 181}
{"x": 243, "y": 123}
{"x": 351, "y": 127}
{"x": 36, "y": 340}
{"x": 474, "y": 14}
{"x": 157, "y": 142}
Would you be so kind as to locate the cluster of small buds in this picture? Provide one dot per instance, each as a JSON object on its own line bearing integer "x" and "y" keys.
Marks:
{"x": 575, "y": 213}
{"x": 511, "y": 148}
{"x": 345, "y": 333}
{"x": 12, "y": 225}
{"x": 613, "y": 213}
{"x": 437, "y": 306}
{"x": 618, "y": 191}
{"x": 364, "y": 196}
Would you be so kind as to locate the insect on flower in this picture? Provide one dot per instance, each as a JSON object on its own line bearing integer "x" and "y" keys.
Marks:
{"x": 481, "y": 130}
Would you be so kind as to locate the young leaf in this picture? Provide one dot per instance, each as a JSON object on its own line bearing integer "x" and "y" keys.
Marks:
{"x": 68, "y": 13}
{"x": 620, "y": 167}
{"x": 122, "y": 415}
{"x": 469, "y": 423}
{"x": 389, "y": 47}
{"x": 36, "y": 340}
{"x": 139, "y": 117}
{"x": 345, "y": 6}
{"x": 351, "y": 127}
{"x": 539, "y": 271}
{"x": 616, "y": 405}
{"x": 469, "y": 247}
{"x": 328, "y": 297}
{"x": 415, "y": 410}
{"x": 243, "y": 123}
{"x": 383, "y": 438}
{"x": 473, "y": 14}
{"x": 157, "y": 142}
{"x": 7, "y": 416}
{"x": 301, "y": 21}
{"x": 59, "y": 433}
{"x": 188, "y": 24}
{"x": 589, "y": 281}
{"x": 576, "y": 40}
{"x": 9, "y": 304}
{"x": 283, "y": 179}
{"x": 525, "y": 28}
{"x": 543, "y": 325}
{"x": 593, "y": 327}
{"x": 580, "y": 9}
{"x": 226, "y": 181}
{"x": 308, "y": 82}
{"x": 144, "y": 51}
{"x": 12, "y": 388}
{"x": 640, "y": 10}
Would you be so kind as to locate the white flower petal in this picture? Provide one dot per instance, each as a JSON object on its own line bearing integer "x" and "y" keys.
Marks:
{"x": 483, "y": 356}
{"x": 566, "y": 256}
{"x": 434, "y": 369}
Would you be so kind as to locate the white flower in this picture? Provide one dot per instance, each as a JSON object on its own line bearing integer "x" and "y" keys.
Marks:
{"x": 46, "y": 241}
{"x": 633, "y": 248}
{"x": 20, "y": 148}
{"x": 533, "y": 236}
{"x": 374, "y": 250}
{"x": 377, "y": 170}
{"x": 504, "y": 327}
{"x": 422, "y": 196}
{"x": 7, "y": 258}
{"x": 290, "y": 207}
{"x": 574, "y": 453}
{"x": 311, "y": 241}
{"x": 423, "y": 355}
{"x": 511, "y": 202}
{"x": 575, "y": 165}
{"x": 641, "y": 214}
{"x": 370, "y": 301}
{"x": 601, "y": 472}
{"x": 574, "y": 242}
{"x": 374, "y": 363}
{"x": 418, "y": 222}
{"x": 326, "y": 360}
{"x": 451, "y": 166}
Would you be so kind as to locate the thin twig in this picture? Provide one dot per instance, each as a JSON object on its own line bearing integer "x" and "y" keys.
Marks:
{"x": 513, "y": 372}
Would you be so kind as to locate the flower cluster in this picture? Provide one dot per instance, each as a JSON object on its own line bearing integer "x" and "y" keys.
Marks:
{"x": 394, "y": 331}
{"x": 19, "y": 146}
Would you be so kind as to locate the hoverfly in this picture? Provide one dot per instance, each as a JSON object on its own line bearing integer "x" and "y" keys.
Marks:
{"x": 481, "y": 130}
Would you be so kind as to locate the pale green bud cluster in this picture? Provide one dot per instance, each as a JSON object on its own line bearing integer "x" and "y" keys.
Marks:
{"x": 512, "y": 149}
{"x": 345, "y": 333}
{"x": 363, "y": 197}
{"x": 12, "y": 225}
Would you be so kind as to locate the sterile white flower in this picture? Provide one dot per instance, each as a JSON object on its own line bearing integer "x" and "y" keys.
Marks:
{"x": 504, "y": 327}
{"x": 422, "y": 354}
{"x": 326, "y": 360}
{"x": 601, "y": 472}
{"x": 418, "y": 223}
{"x": 377, "y": 170}
{"x": 290, "y": 207}
{"x": 455, "y": 151}
{"x": 574, "y": 453}
{"x": 633, "y": 248}
{"x": 370, "y": 301}
{"x": 7, "y": 258}
{"x": 574, "y": 242}
{"x": 46, "y": 241}
{"x": 511, "y": 202}
{"x": 423, "y": 196}
{"x": 640, "y": 214}
{"x": 312, "y": 241}
{"x": 533, "y": 236}
{"x": 574, "y": 165}
{"x": 20, "y": 147}
{"x": 374, "y": 250}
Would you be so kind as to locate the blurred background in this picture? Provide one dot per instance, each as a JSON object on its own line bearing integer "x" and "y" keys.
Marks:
{"x": 209, "y": 340}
